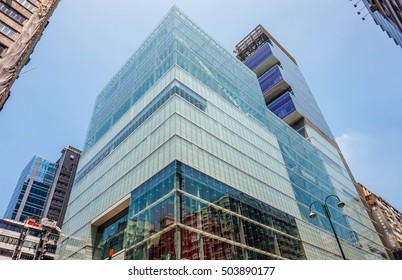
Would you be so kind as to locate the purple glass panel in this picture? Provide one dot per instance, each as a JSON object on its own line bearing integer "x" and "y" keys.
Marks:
{"x": 270, "y": 79}
{"x": 283, "y": 106}
{"x": 258, "y": 57}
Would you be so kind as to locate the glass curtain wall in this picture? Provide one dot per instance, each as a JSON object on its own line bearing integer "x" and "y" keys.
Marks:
{"x": 181, "y": 213}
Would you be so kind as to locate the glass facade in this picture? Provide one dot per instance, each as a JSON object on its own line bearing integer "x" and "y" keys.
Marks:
{"x": 110, "y": 236}
{"x": 181, "y": 213}
{"x": 32, "y": 190}
{"x": 174, "y": 88}
{"x": 212, "y": 174}
{"x": 335, "y": 179}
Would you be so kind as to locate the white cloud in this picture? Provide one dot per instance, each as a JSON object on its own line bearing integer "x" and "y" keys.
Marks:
{"x": 374, "y": 162}
{"x": 354, "y": 146}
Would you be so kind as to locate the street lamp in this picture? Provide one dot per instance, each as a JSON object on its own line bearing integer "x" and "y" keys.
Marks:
{"x": 328, "y": 215}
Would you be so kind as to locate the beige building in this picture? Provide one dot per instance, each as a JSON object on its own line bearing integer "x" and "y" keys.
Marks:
{"x": 29, "y": 240}
{"x": 21, "y": 25}
{"x": 388, "y": 15}
{"x": 387, "y": 221}
{"x": 390, "y": 9}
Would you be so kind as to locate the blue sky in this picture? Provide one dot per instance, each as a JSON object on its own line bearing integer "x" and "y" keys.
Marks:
{"x": 353, "y": 69}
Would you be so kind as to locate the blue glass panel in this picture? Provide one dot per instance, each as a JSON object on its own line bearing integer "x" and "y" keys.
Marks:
{"x": 259, "y": 57}
{"x": 270, "y": 79}
{"x": 283, "y": 106}
{"x": 153, "y": 189}
{"x": 41, "y": 183}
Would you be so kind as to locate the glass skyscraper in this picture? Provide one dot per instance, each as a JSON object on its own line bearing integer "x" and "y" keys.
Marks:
{"x": 32, "y": 190}
{"x": 183, "y": 160}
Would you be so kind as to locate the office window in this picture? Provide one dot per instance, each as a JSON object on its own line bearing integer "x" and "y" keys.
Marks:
{"x": 26, "y": 256}
{"x": 11, "y": 13}
{"x": 28, "y": 5}
{"x": 6, "y": 30}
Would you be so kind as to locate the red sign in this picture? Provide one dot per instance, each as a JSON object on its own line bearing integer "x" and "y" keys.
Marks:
{"x": 32, "y": 223}
{"x": 111, "y": 252}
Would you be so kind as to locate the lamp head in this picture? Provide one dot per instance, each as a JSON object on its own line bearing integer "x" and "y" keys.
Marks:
{"x": 312, "y": 215}
{"x": 341, "y": 204}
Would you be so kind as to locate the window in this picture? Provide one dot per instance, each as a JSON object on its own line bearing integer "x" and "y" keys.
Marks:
{"x": 13, "y": 14}
{"x": 6, "y": 253}
{"x": 5, "y": 29}
{"x": 28, "y": 5}
{"x": 26, "y": 256}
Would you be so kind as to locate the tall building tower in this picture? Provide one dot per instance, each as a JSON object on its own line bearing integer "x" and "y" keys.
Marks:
{"x": 388, "y": 15}
{"x": 44, "y": 188}
{"x": 22, "y": 23}
{"x": 287, "y": 95}
{"x": 38, "y": 205}
{"x": 32, "y": 190}
{"x": 284, "y": 88}
{"x": 61, "y": 188}
{"x": 388, "y": 222}
{"x": 183, "y": 160}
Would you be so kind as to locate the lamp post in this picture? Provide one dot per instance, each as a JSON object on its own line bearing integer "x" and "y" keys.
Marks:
{"x": 328, "y": 215}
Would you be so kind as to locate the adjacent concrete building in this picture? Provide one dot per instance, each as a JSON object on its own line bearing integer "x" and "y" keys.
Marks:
{"x": 59, "y": 195}
{"x": 31, "y": 225}
{"x": 29, "y": 240}
{"x": 388, "y": 15}
{"x": 388, "y": 222}
{"x": 22, "y": 23}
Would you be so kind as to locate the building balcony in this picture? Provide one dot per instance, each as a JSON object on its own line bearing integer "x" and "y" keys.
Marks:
{"x": 273, "y": 84}
{"x": 283, "y": 106}
{"x": 262, "y": 60}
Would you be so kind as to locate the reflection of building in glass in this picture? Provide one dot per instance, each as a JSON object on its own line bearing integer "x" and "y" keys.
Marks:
{"x": 183, "y": 153}
{"x": 388, "y": 222}
{"x": 21, "y": 25}
{"x": 214, "y": 221}
{"x": 388, "y": 15}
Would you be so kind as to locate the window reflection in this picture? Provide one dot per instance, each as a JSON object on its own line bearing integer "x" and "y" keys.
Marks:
{"x": 110, "y": 235}
{"x": 183, "y": 211}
